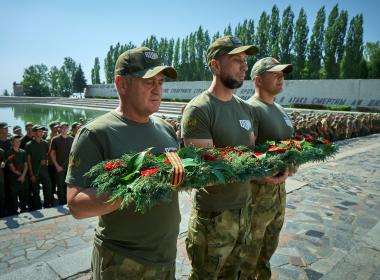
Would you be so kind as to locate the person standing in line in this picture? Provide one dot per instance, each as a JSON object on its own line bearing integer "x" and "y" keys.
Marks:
{"x": 18, "y": 183}
{"x": 59, "y": 154}
{"x": 28, "y": 136}
{"x": 268, "y": 198}
{"x": 219, "y": 227}
{"x": 37, "y": 153}
{"x": 127, "y": 244}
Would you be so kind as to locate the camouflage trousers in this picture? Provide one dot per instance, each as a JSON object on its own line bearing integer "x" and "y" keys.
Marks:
{"x": 217, "y": 242}
{"x": 109, "y": 265}
{"x": 269, "y": 203}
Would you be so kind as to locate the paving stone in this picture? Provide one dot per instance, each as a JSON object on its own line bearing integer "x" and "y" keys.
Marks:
{"x": 348, "y": 203}
{"x": 314, "y": 233}
{"x": 17, "y": 259}
{"x": 279, "y": 259}
{"x": 313, "y": 275}
{"x": 37, "y": 271}
{"x": 72, "y": 264}
{"x": 341, "y": 207}
{"x": 297, "y": 261}
{"x": 33, "y": 254}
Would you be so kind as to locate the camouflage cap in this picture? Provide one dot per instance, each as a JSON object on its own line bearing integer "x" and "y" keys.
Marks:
{"x": 28, "y": 124}
{"x": 228, "y": 45}
{"x": 15, "y": 136}
{"x": 4, "y": 125}
{"x": 269, "y": 64}
{"x": 142, "y": 62}
{"x": 37, "y": 127}
{"x": 74, "y": 125}
{"x": 16, "y": 128}
{"x": 64, "y": 124}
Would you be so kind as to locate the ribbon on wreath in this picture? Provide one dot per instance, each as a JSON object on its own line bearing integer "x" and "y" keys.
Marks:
{"x": 179, "y": 170}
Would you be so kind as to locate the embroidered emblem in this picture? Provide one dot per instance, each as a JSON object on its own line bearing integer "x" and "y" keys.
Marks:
{"x": 246, "y": 124}
{"x": 151, "y": 55}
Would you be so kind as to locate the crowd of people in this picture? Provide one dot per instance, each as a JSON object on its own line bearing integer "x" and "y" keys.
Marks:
{"x": 335, "y": 126}
{"x": 234, "y": 228}
{"x": 38, "y": 158}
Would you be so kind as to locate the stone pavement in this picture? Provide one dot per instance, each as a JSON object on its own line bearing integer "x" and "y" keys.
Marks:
{"x": 331, "y": 231}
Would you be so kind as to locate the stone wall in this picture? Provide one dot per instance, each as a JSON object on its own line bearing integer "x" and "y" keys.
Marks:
{"x": 354, "y": 93}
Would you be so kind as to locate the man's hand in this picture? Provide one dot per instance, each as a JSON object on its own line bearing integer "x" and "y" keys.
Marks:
{"x": 274, "y": 180}
{"x": 58, "y": 168}
{"x": 21, "y": 179}
{"x": 33, "y": 179}
{"x": 293, "y": 169}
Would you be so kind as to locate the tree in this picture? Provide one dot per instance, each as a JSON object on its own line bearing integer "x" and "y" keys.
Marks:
{"x": 286, "y": 35}
{"x": 262, "y": 36}
{"x": 54, "y": 81}
{"x": 228, "y": 30}
{"x": 36, "y": 81}
{"x": 372, "y": 55}
{"x": 176, "y": 54}
{"x": 315, "y": 46}
{"x": 183, "y": 69}
{"x": 274, "y": 32}
{"x": 334, "y": 42}
{"x": 353, "y": 55}
{"x": 95, "y": 72}
{"x": 301, "y": 33}
{"x": 5, "y": 93}
{"x": 65, "y": 83}
{"x": 79, "y": 82}
{"x": 170, "y": 50}
{"x": 192, "y": 58}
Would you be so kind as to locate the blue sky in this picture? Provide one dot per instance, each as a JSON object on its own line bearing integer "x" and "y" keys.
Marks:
{"x": 45, "y": 31}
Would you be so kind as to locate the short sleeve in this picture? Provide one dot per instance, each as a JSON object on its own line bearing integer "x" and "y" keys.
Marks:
{"x": 195, "y": 124}
{"x": 86, "y": 152}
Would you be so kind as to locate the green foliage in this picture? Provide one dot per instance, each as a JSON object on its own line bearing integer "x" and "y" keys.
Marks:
{"x": 262, "y": 36}
{"x": 36, "y": 80}
{"x": 353, "y": 55}
{"x": 5, "y": 92}
{"x": 275, "y": 32}
{"x": 95, "y": 72}
{"x": 315, "y": 47}
{"x": 372, "y": 55}
{"x": 79, "y": 82}
{"x": 145, "y": 179}
{"x": 334, "y": 42}
{"x": 286, "y": 35}
{"x": 301, "y": 33}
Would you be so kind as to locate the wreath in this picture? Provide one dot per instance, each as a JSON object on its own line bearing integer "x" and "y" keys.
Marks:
{"x": 145, "y": 179}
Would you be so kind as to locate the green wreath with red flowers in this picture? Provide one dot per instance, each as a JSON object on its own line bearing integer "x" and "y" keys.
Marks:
{"x": 145, "y": 180}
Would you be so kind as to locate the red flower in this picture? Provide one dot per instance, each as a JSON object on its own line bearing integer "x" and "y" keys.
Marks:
{"x": 209, "y": 157}
{"x": 11, "y": 157}
{"x": 277, "y": 149}
{"x": 223, "y": 156}
{"x": 324, "y": 141}
{"x": 149, "y": 172}
{"x": 309, "y": 139}
{"x": 167, "y": 161}
{"x": 112, "y": 165}
{"x": 257, "y": 154}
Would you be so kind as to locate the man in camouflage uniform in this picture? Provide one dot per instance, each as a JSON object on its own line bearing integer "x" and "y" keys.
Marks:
{"x": 269, "y": 199}
{"x": 127, "y": 244}
{"x": 37, "y": 153}
{"x": 219, "y": 229}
